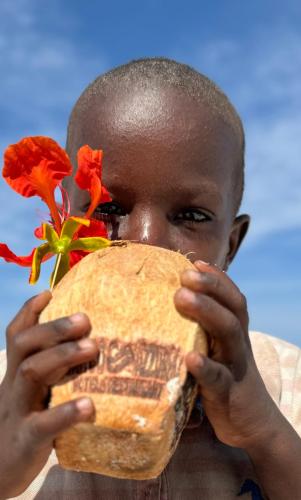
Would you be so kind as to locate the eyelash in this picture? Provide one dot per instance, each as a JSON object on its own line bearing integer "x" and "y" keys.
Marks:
{"x": 193, "y": 215}
{"x": 110, "y": 206}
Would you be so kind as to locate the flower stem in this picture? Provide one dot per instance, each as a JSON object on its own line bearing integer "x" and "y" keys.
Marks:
{"x": 56, "y": 268}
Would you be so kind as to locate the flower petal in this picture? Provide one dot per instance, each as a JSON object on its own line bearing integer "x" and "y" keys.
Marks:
{"x": 38, "y": 256}
{"x": 34, "y": 167}
{"x": 89, "y": 244}
{"x": 50, "y": 234}
{"x": 71, "y": 225}
{"x": 96, "y": 228}
{"x": 38, "y": 232}
{"x": 88, "y": 176}
{"x": 9, "y": 256}
{"x": 75, "y": 257}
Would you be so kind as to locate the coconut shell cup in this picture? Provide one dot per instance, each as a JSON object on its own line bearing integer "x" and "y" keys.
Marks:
{"x": 142, "y": 392}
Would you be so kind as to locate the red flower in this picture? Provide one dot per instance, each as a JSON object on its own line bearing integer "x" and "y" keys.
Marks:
{"x": 9, "y": 256}
{"x": 88, "y": 176}
{"x": 35, "y": 167}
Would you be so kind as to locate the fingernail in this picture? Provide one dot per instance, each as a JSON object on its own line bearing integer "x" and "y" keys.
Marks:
{"x": 77, "y": 318}
{"x": 187, "y": 294}
{"x": 194, "y": 274}
{"x": 86, "y": 344}
{"x": 196, "y": 363}
{"x": 85, "y": 406}
{"x": 40, "y": 294}
{"x": 200, "y": 361}
{"x": 202, "y": 262}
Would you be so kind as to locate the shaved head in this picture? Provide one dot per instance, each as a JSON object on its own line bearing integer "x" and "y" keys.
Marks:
{"x": 140, "y": 91}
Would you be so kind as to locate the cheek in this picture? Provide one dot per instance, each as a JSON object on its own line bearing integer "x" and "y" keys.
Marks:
{"x": 207, "y": 248}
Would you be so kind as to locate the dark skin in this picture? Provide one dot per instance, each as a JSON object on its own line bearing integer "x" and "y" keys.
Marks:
{"x": 168, "y": 166}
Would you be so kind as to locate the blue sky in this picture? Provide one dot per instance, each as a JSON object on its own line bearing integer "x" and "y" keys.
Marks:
{"x": 49, "y": 51}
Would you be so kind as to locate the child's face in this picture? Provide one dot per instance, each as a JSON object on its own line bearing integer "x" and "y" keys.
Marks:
{"x": 168, "y": 166}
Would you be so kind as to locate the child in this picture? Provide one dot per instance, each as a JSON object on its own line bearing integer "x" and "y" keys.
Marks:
{"x": 174, "y": 154}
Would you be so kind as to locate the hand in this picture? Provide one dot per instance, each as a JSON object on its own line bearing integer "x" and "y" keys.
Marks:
{"x": 38, "y": 356}
{"x": 234, "y": 396}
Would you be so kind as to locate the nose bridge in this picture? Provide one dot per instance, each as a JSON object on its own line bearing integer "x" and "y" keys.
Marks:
{"x": 147, "y": 224}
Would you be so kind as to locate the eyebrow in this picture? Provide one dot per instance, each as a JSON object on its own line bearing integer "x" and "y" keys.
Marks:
{"x": 190, "y": 192}
{"x": 198, "y": 189}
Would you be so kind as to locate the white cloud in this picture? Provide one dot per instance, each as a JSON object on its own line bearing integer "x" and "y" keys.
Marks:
{"x": 273, "y": 132}
{"x": 20, "y": 10}
{"x": 273, "y": 194}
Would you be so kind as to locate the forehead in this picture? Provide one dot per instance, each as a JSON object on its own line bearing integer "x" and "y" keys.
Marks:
{"x": 156, "y": 133}
{"x": 151, "y": 112}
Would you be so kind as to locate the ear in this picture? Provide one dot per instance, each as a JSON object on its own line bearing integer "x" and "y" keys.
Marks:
{"x": 239, "y": 230}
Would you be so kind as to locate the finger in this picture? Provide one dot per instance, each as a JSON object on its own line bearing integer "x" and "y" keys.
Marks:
{"x": 43, "y": 427}
{"x": 28, "y": 315}
{"x": 46, "y": 368}
{"x": 217, "y": 284}
{"x": 214, "y": 378}
{"x": 44, "y": 336}
{"x": 223, "y": 327}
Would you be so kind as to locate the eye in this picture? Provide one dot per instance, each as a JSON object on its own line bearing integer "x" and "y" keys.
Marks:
{"x": 109, "y": 210}
{"x": 191, "y": 215}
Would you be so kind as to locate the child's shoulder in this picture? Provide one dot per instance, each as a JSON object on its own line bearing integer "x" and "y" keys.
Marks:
{"x": 278, "y": 343}
{"x": 274, "y": 353}
{"x": 279, "y": 363}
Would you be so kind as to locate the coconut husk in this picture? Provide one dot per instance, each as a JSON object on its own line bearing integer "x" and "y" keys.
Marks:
{"x": 141, "y": 390}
